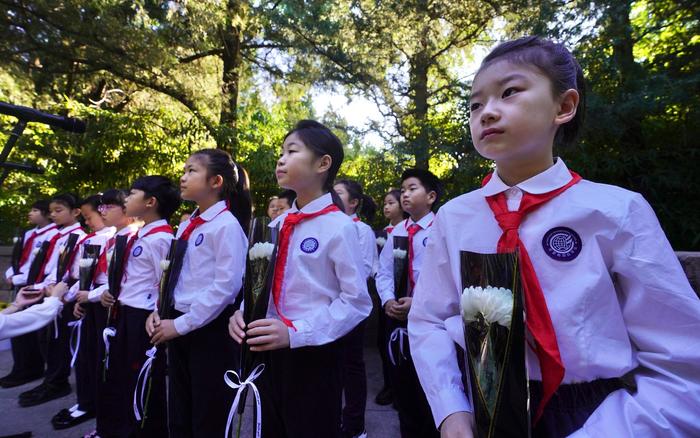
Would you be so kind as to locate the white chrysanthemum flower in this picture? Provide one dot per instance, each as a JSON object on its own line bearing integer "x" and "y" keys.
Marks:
{"x": 381, "y": 241}
{"x": 85, "y": 263}
{"x": 15, "y": 239}
{"x": 495, "y": 304}
{"x": 164, "y": 265}
{"x": 400, "y": 253}
{"x": 35, "y": 251}
{"x": 261, "y": 250}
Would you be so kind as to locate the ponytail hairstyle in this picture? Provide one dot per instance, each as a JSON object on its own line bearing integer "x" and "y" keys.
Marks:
{"x": 554, "y": 61}
{"x": 321, "y": 141}
{"x": 366, "y": 207}
{"x": 235, "y": 189}
{"x": 163, "y": 189}
{"x": 69, "y": 200}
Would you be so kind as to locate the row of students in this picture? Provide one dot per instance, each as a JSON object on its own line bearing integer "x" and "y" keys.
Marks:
{"x": 592, "y": 292}
{"x": 28, "y": 362}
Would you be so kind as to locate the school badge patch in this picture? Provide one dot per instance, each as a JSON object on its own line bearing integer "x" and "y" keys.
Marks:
{"x": 137, "y": 251}
{"x": 309, "y": 245}
{"x": 199, "y": 240}
{"x": 562, "y": 243}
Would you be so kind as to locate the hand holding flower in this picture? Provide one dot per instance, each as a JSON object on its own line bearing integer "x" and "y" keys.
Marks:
{"x": 236, "y": 327}
{"x": 107, "y": 299}
{"x": 164, "y": 332}
{"x": 267, "y": 334}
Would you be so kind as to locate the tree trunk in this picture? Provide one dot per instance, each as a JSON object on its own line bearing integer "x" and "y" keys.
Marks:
{"x": 419, "y": 131}
{"x": 231, "y": 56}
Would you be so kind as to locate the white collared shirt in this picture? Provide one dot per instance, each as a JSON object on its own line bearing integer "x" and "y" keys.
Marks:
{"x": 99, "y": 239}
{"x": 368, "y": 246}
{"x": 622, "y": 304}
{"x": 324, "y": 292}
{"x": 30, "y": 319}
{"x": 52, "y": 264}
{"x": 385, "y": 274}
{"x": 212, "y": 270}
{"x": 21, "y": 278}
{"x": 141, "y": 279}
{"x": 102, "y": 278}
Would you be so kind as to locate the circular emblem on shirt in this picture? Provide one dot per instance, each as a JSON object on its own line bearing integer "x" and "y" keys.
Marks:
{"x": 137, "y": 251}
{"x": 37, "y": 245}
{"x": 87, "y": 242}
{"x": 425, "y": 241}
{"x": 562, "y": 244}
{"x": 199, "y": 240}
{"x": 309, "y": 245}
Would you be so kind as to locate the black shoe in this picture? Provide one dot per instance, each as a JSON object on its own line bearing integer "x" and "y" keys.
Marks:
{"x": 385, "y": 397}
{"x": 32, "y": 392}
{"x": 62, "y": 415}
{"x": 11, "y": 381}
{"x": 70, "y": 421}
{"x": 49, "y": 393}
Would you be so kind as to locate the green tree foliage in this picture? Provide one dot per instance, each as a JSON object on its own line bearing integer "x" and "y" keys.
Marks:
{"x": 158, "y": 79}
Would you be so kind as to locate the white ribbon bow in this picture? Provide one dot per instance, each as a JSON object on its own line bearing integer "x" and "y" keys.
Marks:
{"x": 139, "y": 405}
{"x": 106, "y": 334}
{"x": 75, "y": 346}
{"x": 238, "y": 386}
{"x": 55, "y": 327}
{"x": 398, "y": 334}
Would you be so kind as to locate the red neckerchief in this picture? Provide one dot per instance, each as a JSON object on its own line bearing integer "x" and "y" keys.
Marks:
{"x": 538, "y": 320}
{"x": 27, "y": 249}
{"x": 134, "y": 237}
{"x": 411, "y": 231}
{"x": 52, "y": 247}
{"x": 285, "y": 236}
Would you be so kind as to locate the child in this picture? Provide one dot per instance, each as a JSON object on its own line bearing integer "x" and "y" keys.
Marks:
{"x": 199, "y": 352}
{"x": 392, "y": 209}
{"x": 420, "y": 194}
{"x": 355, "y": 377}
{"x": 318, "y": 296}
{"x": 28, "y": 363}
{"x": 86, "y": 360}
{"x": 112, "y": 209}
{"x": 394, "y": 214}
{"x": 153, "y": 199}
{"x": 272, "y": 211}
{"x": 613, "y": 296}
{"x": 285, "y": 200}
{"x": 64, "y": 213}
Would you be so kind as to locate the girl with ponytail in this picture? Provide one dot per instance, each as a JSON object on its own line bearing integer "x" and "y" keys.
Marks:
{"x": 319, "y": 293}
{"x": 355, "y": 376}
{"x": 213, "y": 265}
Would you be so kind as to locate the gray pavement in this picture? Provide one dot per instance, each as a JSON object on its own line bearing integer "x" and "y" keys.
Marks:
{"x": 381, "y": 421}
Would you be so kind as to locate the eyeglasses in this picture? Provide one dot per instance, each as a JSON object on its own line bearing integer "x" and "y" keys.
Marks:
{"x": 103, "y": 208}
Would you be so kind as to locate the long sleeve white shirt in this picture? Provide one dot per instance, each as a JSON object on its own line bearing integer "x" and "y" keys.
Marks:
{"x": 30, "y": 319}
{"x": 212, "y": 269}
{"x": 102, "y": 277}
{"x": 44, "y": 233}
{"x": 324, "y": 292}
{"x": 385, "y": 273}
{"x": 99, "y": 239}
{"x": 368, "y": 246}
{"x": 141, "y": 279}
{"x": 52, "y": 264}
{"x": 622, "y": 304}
